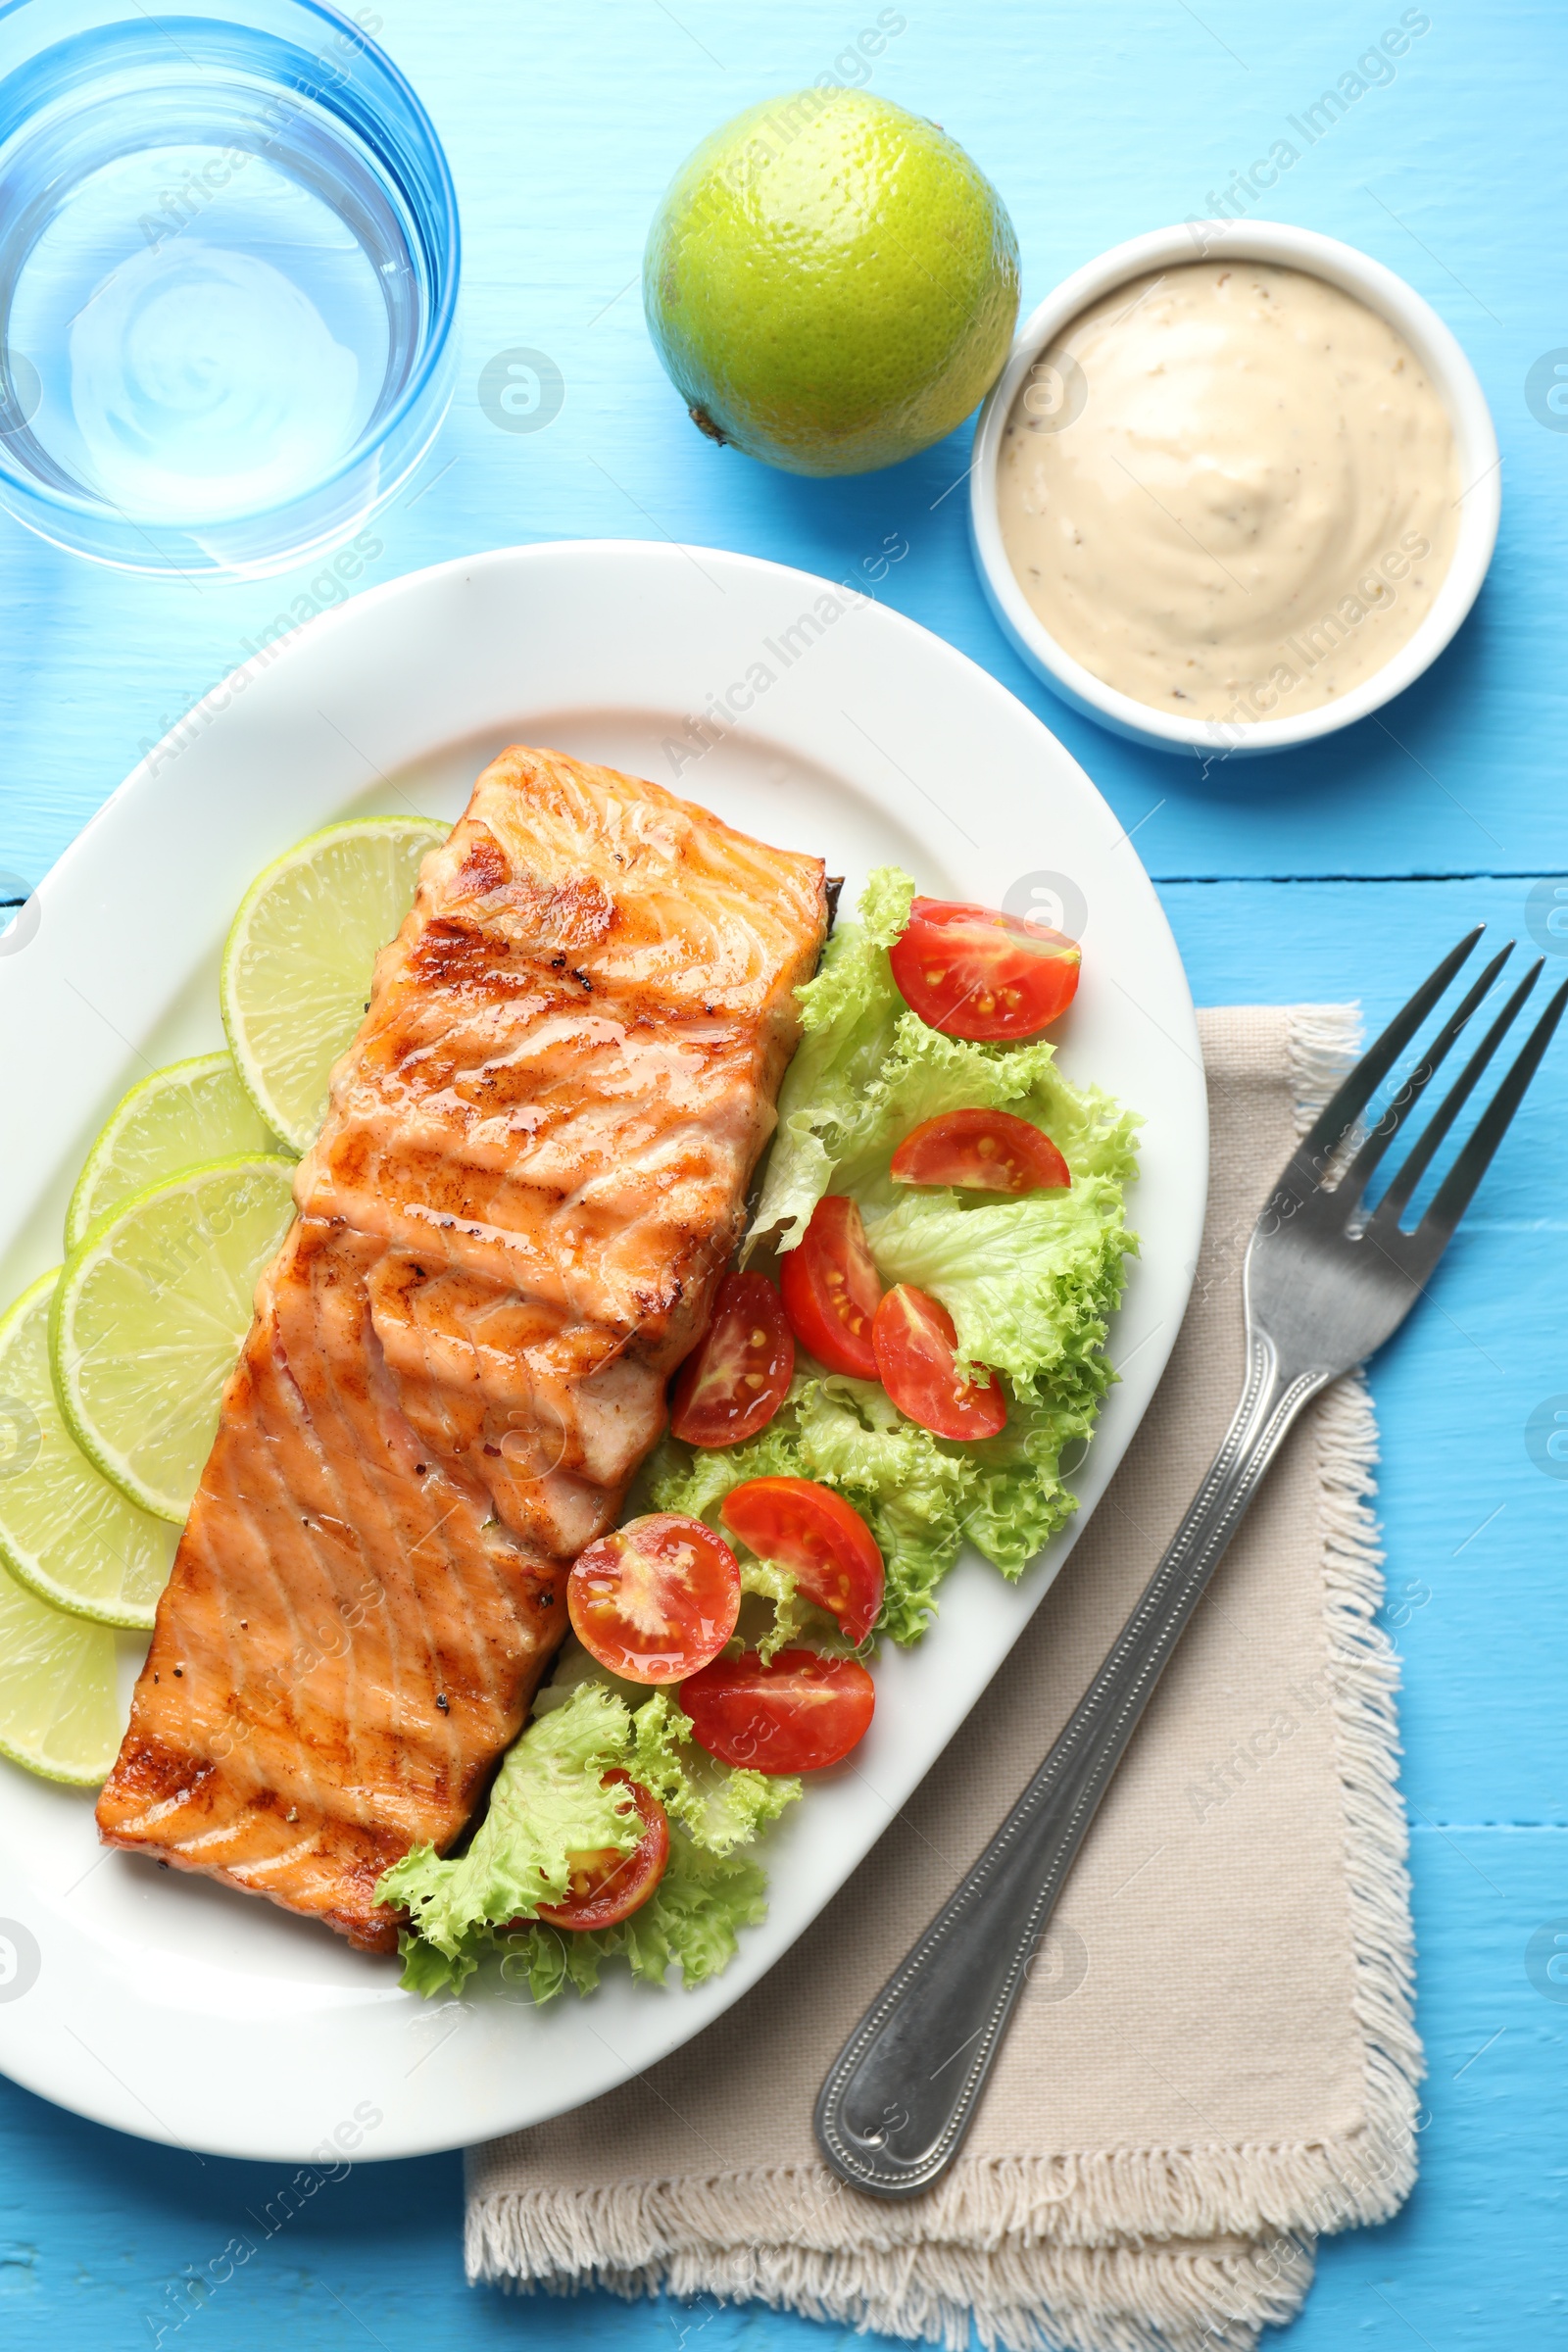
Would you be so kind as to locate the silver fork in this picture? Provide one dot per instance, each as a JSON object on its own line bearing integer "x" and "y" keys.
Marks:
{"x": 1325, "y": 1284}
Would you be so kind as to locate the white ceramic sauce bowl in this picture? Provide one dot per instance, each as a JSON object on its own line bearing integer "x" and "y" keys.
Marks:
{"x": 1452, "y": 377}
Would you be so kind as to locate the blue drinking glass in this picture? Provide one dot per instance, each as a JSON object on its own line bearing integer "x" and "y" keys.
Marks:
{"x": 228, "y": 270}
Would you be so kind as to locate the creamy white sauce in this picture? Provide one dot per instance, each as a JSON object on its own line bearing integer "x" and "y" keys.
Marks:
{"x": 1229, "y": 490}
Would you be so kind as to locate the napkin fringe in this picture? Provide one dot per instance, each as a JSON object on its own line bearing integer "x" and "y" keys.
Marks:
{"x": 1320, "y": 1045}
{"x": 1378, "y": 2164}
{"x": 1128, "y": 2199}
{"x": 1373, "y": 2171}
{"x": 1174, "y": 2298}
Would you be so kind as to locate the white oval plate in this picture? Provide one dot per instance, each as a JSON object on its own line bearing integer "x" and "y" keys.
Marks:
{"x": 172, "y": 2007}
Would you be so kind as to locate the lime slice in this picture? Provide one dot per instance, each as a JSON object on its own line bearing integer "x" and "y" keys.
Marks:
{"x": 59, "y": 1708}
{"x": 148, "y": 1318}
{"x": 65, "y": 1532}
{"x": 297, "y": 968}
{"x": 192, "y": 1111}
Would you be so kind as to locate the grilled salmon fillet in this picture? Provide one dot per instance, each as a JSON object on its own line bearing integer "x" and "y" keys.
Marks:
{"x": 532, "y": 1172}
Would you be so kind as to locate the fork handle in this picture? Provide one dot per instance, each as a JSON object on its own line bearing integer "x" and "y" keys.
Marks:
{"x": 901, "y": 2094}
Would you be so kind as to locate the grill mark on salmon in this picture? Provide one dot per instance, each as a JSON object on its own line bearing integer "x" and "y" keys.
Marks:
{"x": 532, "y": 1172}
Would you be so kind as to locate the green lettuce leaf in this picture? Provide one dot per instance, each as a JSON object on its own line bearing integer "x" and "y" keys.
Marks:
{"x": 868, "y": 1070}
{"x": 847, "y": 1016}
{"x": 720, "y": 1806}
{"x": 548, "y": 1803}
{"x": 691, "y": 1921}
{"x": 1030, "y": 1282}
{"x": 791, "y": 1615}
{"x": 912, "y": 1490}
{"x": 926, "y": 1074}
{"x": 1020, "y": 1496}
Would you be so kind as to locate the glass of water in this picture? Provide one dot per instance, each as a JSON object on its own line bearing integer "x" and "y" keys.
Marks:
{"x": 228, "y": 268}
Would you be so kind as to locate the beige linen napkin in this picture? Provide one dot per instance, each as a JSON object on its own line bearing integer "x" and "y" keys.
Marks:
{"x": 1215, "y": 2059}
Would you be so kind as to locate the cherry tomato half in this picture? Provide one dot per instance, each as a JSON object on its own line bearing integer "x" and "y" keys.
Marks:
{"x": 915, "y": 1345}
{"x": 655, "y": 1599}
{"x": 798, "y": 1715}
{"x": 982, "y": 1151}
{"x": 795, "y": 1523}
{"x": 606, "y": 1886}
{"x": 831, "y": 1289}
{"x": 972, "y": 971}
{"x": 735, "y": 1378}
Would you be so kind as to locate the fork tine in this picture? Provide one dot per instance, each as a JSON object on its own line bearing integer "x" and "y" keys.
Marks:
{"x": 1459, "y": 1185}
{"x": 1355, "y": 1181}
{"x": 1334, "y": 1121}
{"x": 1424, "y": 1149}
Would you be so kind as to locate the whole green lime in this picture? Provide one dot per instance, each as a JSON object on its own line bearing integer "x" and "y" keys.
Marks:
{"x": 830, "y": 282}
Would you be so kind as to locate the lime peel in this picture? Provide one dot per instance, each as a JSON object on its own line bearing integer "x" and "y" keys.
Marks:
{"x": 149, "y": 1317}
{"x": 66, "y": 1533}
{"x": 192, "y": 1111}
{"x": 59, "y": 1707}
{"x": 298, "y": 962}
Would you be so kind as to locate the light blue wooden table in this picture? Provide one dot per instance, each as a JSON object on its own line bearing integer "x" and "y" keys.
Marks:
{"x": 1341, "y": 872}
